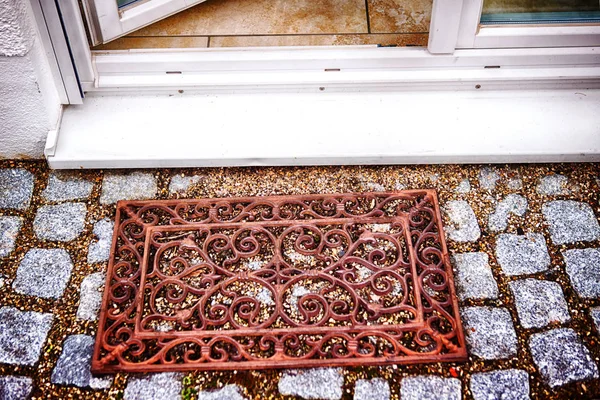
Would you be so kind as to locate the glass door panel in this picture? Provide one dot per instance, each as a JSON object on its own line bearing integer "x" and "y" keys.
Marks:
{"x": 540, "y": 11}
{"x": 124, "y": 3}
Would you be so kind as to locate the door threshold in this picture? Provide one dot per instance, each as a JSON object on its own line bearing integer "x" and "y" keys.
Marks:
{"x": 255, "y": 129}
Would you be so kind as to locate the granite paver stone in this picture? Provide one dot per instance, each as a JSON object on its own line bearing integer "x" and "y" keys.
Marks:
{"x": 155, "y": 386}
{"x": 522, "y": 254}
{"x": 99, "y": 249}
{"x": 490, "y": 333}
{"x": 317, "y": 383}
{"x": 430, "y": 387}
{"x": 63, "y": 187}
{"x": 561, "y": 357}
{"x": 474, "y": 278}
{"x": 74, "y": 363}
{"x": 14, "y": 387}
{"x": 539, "y": 302}
{"x": 463, "y": 225}
{"x": 133, "y": 186}
{"x": 61, "y": 222}
{"x": 16, "y": 188}
{"x": 44, "y": 273}
{"x": 571, "y": 221}
{"x": 9, "y": 229}
{"x": 22, "y": 335}
{"x": 372, "y": 389}
{"x": 507, "y": 384}
{"x": 583, "y": 268}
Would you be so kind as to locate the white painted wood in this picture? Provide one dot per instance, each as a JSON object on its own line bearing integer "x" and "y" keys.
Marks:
{"x": 133, "y": 131}
{"x": 444, "y": 26}
{"x": 110, "y": 23}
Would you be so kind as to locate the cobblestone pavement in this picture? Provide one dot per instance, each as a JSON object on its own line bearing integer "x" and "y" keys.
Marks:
{"x": 524, "y": 241}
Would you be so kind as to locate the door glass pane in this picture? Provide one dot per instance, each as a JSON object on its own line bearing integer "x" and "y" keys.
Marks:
{"x": 123, "y": 3}
{"x": 540, "y": 11}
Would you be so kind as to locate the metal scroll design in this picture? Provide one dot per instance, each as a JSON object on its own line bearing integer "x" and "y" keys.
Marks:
{"x": 312, "y": 280}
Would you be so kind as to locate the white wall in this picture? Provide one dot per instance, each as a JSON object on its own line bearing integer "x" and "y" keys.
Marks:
{"x": 29, "y": 102}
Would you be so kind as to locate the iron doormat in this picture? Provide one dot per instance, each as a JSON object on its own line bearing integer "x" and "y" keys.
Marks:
{"x": 278, "y": 282}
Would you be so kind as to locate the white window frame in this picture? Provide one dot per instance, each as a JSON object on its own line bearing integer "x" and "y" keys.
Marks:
{"x": 107, "y": 22}
{"x": 455, "y": 25}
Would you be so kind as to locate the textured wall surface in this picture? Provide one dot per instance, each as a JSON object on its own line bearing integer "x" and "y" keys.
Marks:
{"x": 30, "y": 106}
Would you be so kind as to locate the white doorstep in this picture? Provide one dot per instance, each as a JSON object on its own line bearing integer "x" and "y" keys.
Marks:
{"x": 187, "y": 130}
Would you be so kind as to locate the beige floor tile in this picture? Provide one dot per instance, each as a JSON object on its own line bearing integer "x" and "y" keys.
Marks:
{"x": 400, "y": 16}
{"x": 182, "y": 42}
{"x": 319, "y": 40}
{"x": 264, "y": 17}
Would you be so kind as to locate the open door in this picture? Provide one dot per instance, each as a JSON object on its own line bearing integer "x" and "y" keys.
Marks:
{"x": 110, "y": 19}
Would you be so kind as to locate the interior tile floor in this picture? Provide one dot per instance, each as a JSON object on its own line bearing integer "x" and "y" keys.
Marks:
{"x": 247, "y": 23}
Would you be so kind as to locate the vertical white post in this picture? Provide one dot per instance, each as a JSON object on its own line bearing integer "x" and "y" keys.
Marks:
{"x": 445, "y": 25}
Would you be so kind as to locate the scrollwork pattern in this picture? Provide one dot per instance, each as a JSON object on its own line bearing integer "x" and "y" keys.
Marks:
{"x": 278, "y": 281}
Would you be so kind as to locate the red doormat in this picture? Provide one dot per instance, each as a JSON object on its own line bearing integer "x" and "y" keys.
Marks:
{"x": 278, "y": 282}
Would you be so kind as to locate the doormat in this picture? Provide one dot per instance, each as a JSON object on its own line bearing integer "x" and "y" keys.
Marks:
{"x": 278, "y": 282}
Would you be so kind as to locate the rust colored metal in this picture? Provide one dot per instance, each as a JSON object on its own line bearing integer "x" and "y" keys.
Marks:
{"x": 278, "y": 282}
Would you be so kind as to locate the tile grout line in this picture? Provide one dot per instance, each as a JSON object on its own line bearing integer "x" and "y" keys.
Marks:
{"x": 368, "y": 20}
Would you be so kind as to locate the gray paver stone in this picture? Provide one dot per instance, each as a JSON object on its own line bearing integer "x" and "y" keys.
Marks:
{"x": 430, "y": 387}
{"x": 373, "y": 389}
{"x": 61, "y": 222}
{"x": 99, "y": 249}
{"x": 62, "y": 187}
{"x": 474, "y": 279}
{"x": 539, "y": 302}
{"x": 595, "y": 314}
{"x": 514, "y": 184}
{"x": 512, "y": 204}
{"x": 180, "y": 184}
{"x": 160, "y": 386}
{"x": 583, "y": 268}
{"x": 9, "y": 229}
{"x": 90, "y": 296}
{"x": 522, "y": 254}
{"x": 318, "y": 383}
{"x": 44, "y": 273}
{"x": 16, "y": 188}
{"x": 463, "y": 187}
{"x": 134, "y": 186}
{"x": 561, "y": 357}
{"x": 228, "y": 392}
{"x": 463, "y": 223}
{"x": 552, "y": 185}
{"x": 489, "y": 332}
{"x": 488, "y": 178}
{"x": 22, "y": 335}
{"x": 15, "y": 387}
{"x": 74, "y": 363}
{"x": 571, "y": 221}
{"x": 508, "y": 384}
